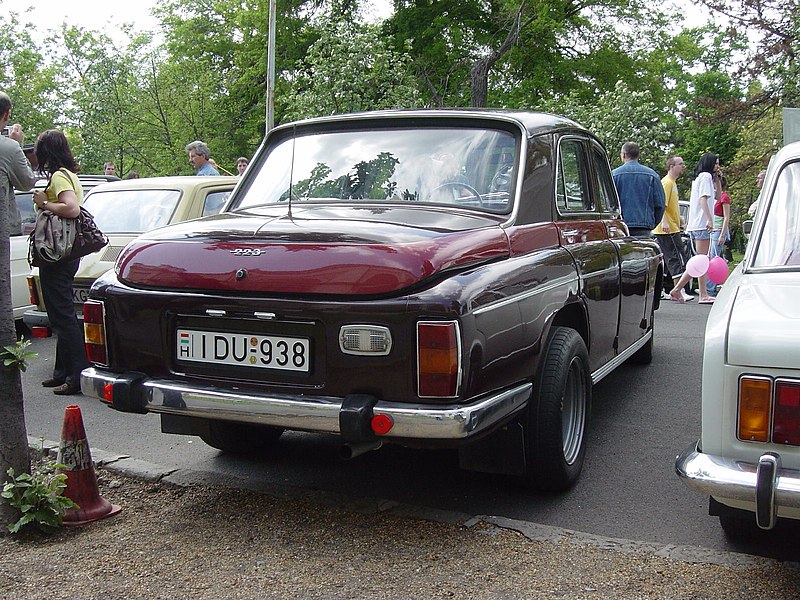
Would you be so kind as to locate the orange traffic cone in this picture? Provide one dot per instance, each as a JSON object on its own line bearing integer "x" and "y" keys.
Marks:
{"x": 74, "y": 455}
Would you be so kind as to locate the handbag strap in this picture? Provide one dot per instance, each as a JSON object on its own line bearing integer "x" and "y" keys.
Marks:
{"x": 66, "y": 174}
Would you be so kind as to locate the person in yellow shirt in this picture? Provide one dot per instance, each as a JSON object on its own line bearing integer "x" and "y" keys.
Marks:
{"x": 668, "y": 231}
{"x": 63, "y": 197}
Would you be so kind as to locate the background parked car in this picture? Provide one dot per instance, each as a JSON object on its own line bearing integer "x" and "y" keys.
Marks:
{"x": 748, "y": 457}
{"x": 22, "y": 222}
{"x": 123, "y": 210}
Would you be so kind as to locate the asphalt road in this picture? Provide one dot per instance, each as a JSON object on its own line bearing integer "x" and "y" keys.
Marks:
{"x": 642, "y": 417}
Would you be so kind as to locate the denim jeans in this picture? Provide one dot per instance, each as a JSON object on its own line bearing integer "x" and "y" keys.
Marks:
{"x": 715, "y": 248}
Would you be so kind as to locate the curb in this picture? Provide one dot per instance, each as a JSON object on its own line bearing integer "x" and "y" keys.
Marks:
{"x": 150, "y": 472}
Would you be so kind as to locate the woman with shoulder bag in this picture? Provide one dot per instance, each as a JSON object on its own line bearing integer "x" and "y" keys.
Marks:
{"x": 63, "y": 197}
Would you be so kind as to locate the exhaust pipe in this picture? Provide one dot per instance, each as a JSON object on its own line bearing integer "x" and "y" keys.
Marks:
{"x": 348, "y": 451}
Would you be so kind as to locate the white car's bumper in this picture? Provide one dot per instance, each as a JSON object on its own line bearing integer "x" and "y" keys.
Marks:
{"x": 766, "y": 484}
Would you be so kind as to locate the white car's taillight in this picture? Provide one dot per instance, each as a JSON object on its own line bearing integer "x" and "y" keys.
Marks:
{"x": 438, "y": 359}
{"x": 94, "y": 331}
{"x": 755, "y": 399}
{"x": 786, "y": 422}
{"x": 769, "y": 410}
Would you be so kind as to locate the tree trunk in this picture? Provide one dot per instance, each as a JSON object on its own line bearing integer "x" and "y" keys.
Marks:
{"x": 481, "y": 67}
{"x": 480, "y": 81}
{"x": 13, "y": 437}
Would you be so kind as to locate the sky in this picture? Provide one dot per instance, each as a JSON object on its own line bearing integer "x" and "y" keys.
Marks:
{"x": 96, "y": 15}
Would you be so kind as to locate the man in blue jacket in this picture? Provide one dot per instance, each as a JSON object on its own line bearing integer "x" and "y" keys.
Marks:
{"x": 641, "y": 194}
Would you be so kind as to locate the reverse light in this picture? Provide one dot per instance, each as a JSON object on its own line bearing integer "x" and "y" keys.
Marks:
{"x": 438, "y": 359}
{"x": 755, "y": 399}
{"x": 786, "y": 420}
{"x": 365, "y": 340}
{"x": 94, "y": 331}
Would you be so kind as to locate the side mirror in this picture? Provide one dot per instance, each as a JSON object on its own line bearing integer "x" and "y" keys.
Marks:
{"x": 747, "y": 227}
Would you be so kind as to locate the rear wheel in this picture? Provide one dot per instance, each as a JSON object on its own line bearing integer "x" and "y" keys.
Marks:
{"x": 558, "y": 415}
{"x": 241, "y": 438}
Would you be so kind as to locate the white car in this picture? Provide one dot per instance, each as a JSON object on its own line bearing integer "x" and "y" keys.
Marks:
{"x": 748, "y": 457}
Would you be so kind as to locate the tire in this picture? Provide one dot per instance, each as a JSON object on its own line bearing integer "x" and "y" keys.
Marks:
{"x": 241, "y": 438}
{"x": 557, "y": 418}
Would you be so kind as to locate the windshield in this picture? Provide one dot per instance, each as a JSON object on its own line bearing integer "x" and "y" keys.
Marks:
{"x": 779, "y": 244}
{"x": 131, "y": 211}
{"x": 472, "y": 167}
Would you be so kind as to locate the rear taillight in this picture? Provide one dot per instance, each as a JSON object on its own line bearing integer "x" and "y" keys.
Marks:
{"x": 94, "y": 331}
{"x": 769, "y": 410}
{"x": 32, "y": 291}
{"x": 786, "y": 422}
{"x": 438, "y": 359}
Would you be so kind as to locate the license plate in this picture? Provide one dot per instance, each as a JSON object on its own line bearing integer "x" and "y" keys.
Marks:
{"x": 243, "y": 350}
{"x": 80, "y": 295}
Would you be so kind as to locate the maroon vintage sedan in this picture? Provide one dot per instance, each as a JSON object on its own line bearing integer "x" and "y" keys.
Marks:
{"x": 425, "y": 278}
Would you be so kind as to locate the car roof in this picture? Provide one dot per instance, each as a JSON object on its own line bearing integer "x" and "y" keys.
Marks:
{"x": 182, "y": 182}
{"x": 534, "y": 122}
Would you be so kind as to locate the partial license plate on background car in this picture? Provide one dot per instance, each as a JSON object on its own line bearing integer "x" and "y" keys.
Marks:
{"x": 80, "y": 294}
{"x": 243, "y": 349}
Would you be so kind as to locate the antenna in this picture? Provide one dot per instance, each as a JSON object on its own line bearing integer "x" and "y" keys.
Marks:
{"x": 291, "y": 169}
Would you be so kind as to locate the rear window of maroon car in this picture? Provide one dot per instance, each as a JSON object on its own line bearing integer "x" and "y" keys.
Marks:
{"x": 472, "y": 167}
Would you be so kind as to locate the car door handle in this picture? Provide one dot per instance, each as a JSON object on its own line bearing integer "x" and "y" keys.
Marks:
{"x": 569, "y": 232}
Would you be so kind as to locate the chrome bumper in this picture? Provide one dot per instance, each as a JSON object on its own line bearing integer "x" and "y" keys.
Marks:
{"x": 311, "y": 413}
{"x": 766, "y": 484}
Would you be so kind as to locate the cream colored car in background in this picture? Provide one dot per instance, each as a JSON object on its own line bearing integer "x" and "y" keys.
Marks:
{"x": 22, "y": 223}
{"x": 748, "y": 457}
{"x": 125, "y": 209}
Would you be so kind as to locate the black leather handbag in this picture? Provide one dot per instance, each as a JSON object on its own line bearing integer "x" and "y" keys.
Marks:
{"x": 88, "y": 237}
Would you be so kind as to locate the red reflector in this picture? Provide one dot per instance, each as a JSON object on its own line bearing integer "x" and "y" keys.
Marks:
{"x": 786, "y": 422}
{"x": 108, "y": 392}
{"x": 381, "y": 424}
{"x": 40, "y": 332}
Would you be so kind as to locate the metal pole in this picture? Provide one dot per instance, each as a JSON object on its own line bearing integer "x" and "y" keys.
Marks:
{"x": 271, "y": 68}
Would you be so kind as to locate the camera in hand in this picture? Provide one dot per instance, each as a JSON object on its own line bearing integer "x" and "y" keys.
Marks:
{"x": 6, "y": 130}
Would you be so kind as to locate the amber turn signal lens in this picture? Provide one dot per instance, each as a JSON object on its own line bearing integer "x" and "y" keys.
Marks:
{"x": 755, "y": 399}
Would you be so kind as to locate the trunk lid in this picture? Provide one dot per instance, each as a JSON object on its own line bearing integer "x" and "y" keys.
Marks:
{"x": 339, "y": 250}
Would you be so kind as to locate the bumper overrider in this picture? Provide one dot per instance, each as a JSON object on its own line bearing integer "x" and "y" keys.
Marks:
{"x": 766, "y": 483}
{"x": 348, "y": 416}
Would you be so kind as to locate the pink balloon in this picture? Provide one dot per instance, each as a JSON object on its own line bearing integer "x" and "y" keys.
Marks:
{"x": 717, "y": 269}
{"x": 697, "y": 265}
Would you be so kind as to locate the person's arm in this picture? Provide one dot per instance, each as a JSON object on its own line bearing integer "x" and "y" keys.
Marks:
{"x": 726, "y": 217}
{"x": 67, "y": 205}
{"x": 66, "y": 202}
{"x": 659, "y": 204}
{"x": 705, "y": 195}
{"x": 20, "y": 173}
{"x": 703, "y": 201}
{"x": 664, "y": 224}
